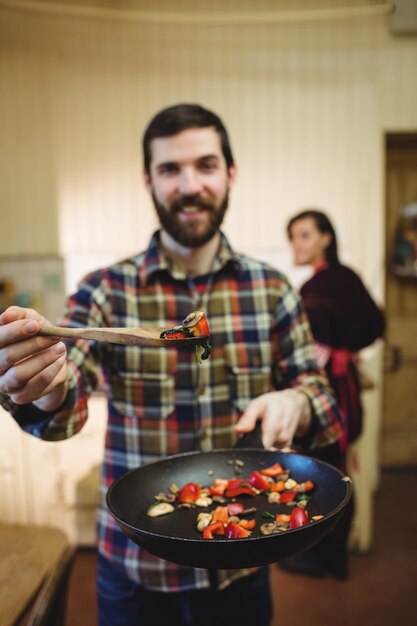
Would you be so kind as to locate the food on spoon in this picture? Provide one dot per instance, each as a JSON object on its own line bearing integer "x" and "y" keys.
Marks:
{"x": 194, "y": 325}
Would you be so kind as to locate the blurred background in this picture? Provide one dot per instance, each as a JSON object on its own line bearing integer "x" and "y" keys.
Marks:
{"x": 320, "y": 99}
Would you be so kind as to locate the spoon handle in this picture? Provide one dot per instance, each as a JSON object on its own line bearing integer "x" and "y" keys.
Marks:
{"x": 125, "y": 336}
{"x": 99, "y": 334}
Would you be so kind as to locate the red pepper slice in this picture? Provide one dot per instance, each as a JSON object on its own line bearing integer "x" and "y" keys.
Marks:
{"x": 273, "y": 470}
{"x": 287, "y": 496}
{"x": 178, "y": 334}
{"x": 248, "y": 524}
{"x": 307, "y": 486}
{"x": 215, "y": 528}
{"x": 219, "y": 487}
{"x": 258, "y": 481}
{"x": 298, "y": 518}
{"x": 221, "y": 514}
{"x": 233, "y": 483}
{"x": 277, "y": 487}
{"x": 201, "y": 328}
{"x": 234, "y": 531}
{"x": 189, "y": 493}
{"x": 240, "y": 491}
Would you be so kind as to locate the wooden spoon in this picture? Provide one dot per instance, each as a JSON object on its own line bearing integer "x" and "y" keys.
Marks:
{"x": 126, "y": 336}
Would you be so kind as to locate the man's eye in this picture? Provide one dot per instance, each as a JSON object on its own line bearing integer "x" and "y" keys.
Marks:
{"x": 208, "y": 166}
{"x": 168, "y": 168}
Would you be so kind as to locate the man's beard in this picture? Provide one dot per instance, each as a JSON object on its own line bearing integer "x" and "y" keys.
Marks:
{"x": 187, "y": 234}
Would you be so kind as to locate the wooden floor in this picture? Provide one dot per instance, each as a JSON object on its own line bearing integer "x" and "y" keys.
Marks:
{"x": 381, "y": 589}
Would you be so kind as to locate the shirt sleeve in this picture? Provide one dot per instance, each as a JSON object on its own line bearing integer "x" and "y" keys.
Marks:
{"x": 296, "y": 367}
{"x": 84, "y": 374}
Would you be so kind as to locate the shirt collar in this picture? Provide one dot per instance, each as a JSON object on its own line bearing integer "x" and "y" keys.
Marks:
{"x": 156, "y": 261}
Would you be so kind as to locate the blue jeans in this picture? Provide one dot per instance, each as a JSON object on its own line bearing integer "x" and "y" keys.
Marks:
{"x": 121, "y": 602}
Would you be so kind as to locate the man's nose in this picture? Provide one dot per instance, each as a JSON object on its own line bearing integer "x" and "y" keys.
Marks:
{"x": 189, "y": 182}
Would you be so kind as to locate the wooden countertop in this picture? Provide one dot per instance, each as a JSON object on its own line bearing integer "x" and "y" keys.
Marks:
{"x": 27, "y": 554}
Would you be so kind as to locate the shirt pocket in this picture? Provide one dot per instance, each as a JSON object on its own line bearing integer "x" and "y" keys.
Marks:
{"x": 144, "y": 384}
{"x": 249, "y": 372}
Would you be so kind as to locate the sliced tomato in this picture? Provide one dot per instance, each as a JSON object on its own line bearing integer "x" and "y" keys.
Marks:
{"x": 189, "y": 493}
{"x": 298, "y": 518}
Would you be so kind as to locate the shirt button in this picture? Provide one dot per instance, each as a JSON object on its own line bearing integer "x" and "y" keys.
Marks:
{"x": 202, "y": 390}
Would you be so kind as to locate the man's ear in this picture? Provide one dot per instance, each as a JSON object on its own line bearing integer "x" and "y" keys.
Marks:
{"x": 147, "y": 180}
{"x": 232, "y": 174}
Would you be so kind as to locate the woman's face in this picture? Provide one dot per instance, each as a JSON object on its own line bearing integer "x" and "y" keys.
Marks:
{"x": 308, "y": 243}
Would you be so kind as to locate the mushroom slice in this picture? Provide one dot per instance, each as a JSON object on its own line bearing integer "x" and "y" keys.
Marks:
{"x": 165, "y": 497}
{"x": 160, "y": 508}
{"x": 203, "y": 520}
{"x": 268, "y": 528}
{"x": 203, "y": 501}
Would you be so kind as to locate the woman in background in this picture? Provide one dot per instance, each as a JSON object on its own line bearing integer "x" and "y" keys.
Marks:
{"x": 344, "y": 319}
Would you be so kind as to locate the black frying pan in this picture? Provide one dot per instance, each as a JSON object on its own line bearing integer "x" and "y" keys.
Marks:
{"x": 174, "y": 537}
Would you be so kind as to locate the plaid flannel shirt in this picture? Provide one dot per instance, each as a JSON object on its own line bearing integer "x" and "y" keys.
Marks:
{"x": 161, "y": 401}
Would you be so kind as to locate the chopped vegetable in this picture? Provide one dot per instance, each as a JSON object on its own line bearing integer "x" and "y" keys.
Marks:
{"x": 160, "y": 508}
{"x": 298, "y": 518}
{"x": 189, "y": 493}
{"x": 235, "y": 531}
{"x": 235, "y": 508}
{"x": 238, "y": 487}
{"x": 258, "y": 481}
{"x": 287, "y": 496}
{"x": 229, "y": 519}
{"x": 219, "y": 486}
{"x": 194, "y": 325}
{"x": 273, "y": 470}
{"x": 215, "y": 528}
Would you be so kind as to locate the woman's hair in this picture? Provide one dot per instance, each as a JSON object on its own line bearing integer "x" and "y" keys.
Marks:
{"x": 174, "y": 119}
{"x": 324, "y": 225}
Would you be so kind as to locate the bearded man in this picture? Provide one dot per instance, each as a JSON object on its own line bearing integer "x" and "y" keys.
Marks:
{"x": 162, "y": 402}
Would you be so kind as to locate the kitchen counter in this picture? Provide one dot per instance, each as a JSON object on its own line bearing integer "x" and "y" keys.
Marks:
{"x": 29, "y": 558}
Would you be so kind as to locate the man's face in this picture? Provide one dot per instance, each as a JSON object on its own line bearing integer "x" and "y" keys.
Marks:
{"x": 189, "y": 183}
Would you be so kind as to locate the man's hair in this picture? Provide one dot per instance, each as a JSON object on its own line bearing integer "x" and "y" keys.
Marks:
{"x": 179, "y": 117}
{"x": 324, "y": 225}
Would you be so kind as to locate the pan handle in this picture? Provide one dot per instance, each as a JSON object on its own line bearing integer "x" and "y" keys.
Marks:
{"x": 252, "y": 439}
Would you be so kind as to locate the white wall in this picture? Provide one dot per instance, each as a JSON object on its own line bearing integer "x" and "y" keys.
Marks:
{"x": 307, "y": 105}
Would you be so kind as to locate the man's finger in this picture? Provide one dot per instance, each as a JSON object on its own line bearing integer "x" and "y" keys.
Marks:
{"x": 249, "y": 418}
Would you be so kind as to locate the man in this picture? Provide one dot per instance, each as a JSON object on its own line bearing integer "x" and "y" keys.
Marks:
{"x": 162, "y": 401}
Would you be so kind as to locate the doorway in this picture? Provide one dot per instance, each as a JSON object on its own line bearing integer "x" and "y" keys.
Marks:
{"x": 399, "y": 425}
